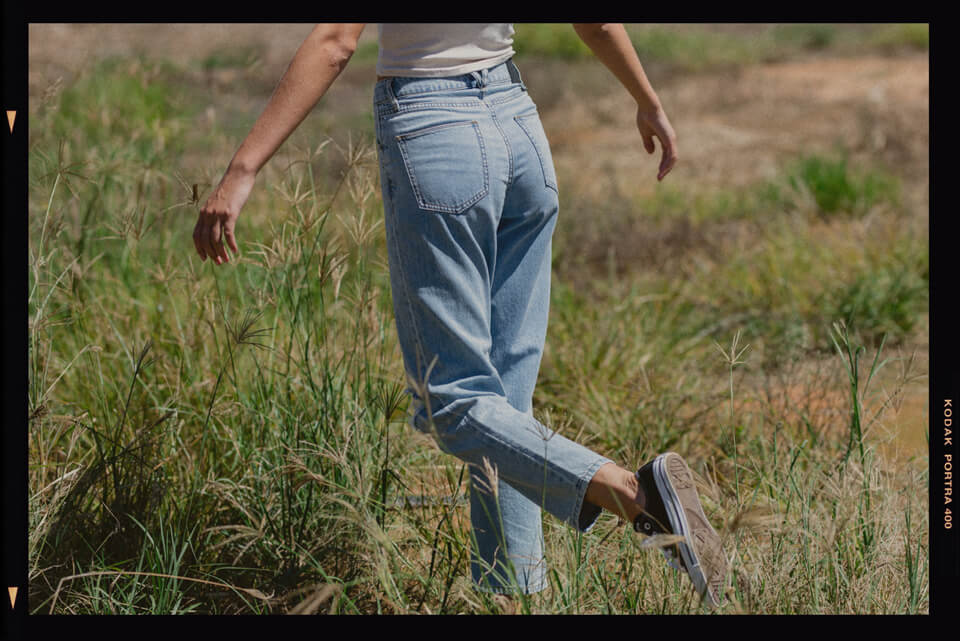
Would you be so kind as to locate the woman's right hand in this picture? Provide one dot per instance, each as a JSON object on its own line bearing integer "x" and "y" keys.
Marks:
{"x": 317, "y": 63}
{"x": 215, "y": 226}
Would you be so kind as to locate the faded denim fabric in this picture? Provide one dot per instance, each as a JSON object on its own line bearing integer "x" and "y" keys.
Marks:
{"x": 470, "y": 200}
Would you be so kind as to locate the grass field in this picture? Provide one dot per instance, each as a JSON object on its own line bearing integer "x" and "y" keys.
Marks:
{"x": 234, "y": 439}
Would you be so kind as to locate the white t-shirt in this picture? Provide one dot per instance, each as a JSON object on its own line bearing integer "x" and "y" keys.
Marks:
{"x": 437, "y": 50}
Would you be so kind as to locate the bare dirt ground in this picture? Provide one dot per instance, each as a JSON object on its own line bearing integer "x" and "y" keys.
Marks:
{"x": 735, "y": 126}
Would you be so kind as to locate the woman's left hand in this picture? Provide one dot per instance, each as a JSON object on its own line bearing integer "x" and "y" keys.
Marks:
{"x": 654, "y": 124}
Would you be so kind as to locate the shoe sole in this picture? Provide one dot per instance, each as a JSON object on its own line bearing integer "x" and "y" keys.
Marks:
{"x": 702, "y": 551}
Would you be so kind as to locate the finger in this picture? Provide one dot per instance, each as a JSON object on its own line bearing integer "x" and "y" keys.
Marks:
{"x": 215, "y": 244}
{"x": 205, "y": 243}
{"x": 228, "y": 234}
{"x": 668, "y": 142}
{"x": 222, "y": 247}
{"x": 196, "y": 242}
{"x": 667, "y": 161}
{"x": 198, "y": 238}
{"x": 220, "y": 244}
{"x": 648, "y": 143}
{"x": 666, "y": 164}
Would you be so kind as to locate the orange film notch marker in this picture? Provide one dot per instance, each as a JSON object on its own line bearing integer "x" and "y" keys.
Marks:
{"x": 13, "y": 593}
{"x": 11, "y": 116}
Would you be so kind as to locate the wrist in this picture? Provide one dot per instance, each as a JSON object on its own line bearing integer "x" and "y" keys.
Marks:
{"x": 649, "y": 106}
{"x": 241, "y": 168}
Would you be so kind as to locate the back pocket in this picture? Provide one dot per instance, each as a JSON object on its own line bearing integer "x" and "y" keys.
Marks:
{"x": 447, "y": 166}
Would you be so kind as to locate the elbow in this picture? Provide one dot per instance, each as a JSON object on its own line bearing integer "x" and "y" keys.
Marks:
{"x": 344, "y": 46}
{"x": 592, "y": 31}
{"x": 338, "y": 43}
{"x": 339, "y": 50}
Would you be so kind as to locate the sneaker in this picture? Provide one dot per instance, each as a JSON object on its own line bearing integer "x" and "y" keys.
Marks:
{"x": 673, "y": 508}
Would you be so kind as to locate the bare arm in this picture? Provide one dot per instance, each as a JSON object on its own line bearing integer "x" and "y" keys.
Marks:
{"x": 317, "y": 63}
{"x": 612, "y": 46}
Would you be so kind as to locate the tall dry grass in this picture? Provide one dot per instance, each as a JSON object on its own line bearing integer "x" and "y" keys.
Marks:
{"x": 233, "y": 440}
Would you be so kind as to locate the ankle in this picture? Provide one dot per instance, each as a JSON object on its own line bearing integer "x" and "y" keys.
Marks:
{"x": 617, "y": 490}
{"x": 636, "y": 495}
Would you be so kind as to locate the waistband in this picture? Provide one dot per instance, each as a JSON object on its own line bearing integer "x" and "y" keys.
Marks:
{"x": 389, "y": 89}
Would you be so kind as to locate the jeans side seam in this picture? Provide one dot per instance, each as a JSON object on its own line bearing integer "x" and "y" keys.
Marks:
{"x": 478, "y": 429}
{"x": 401, "y": 272}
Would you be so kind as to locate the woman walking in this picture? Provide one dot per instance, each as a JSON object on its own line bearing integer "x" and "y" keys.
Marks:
{"x": 470, "y": 204}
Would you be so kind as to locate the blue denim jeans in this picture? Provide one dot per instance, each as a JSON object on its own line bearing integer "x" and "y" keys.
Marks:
{"x": 470, "y": 200}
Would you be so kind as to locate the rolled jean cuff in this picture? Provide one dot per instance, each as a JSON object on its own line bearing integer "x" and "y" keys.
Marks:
{"x": 585, "y": 514}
